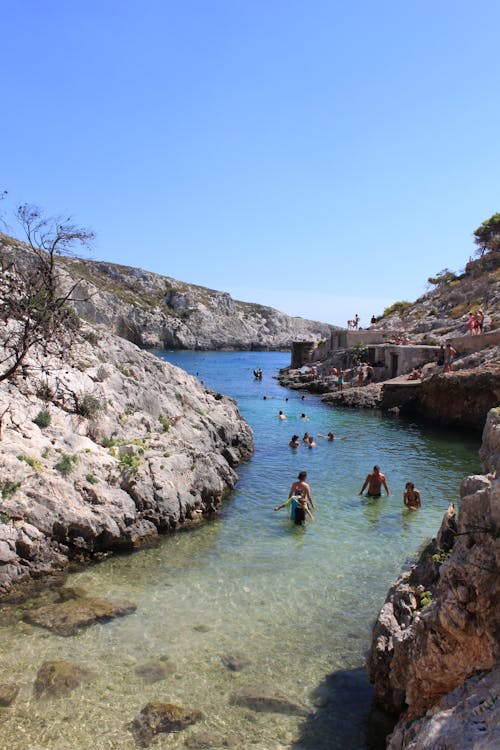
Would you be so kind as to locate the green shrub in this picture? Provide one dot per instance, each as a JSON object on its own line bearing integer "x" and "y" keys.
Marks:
{"x": 35, "y": 463}
{"x": 442, "y": 278}
{"x": 130, "y": 461}
{"x": 42, "y": 419}
{"x": 165, "y": 422}
{"x": 91, "y": 337}
{"x": 397, "y": 307}
{"x": 360, "y": 351}
{"x": 66, "y": 464}
{"x": 91, "y": 479}
{"x": 88, "y": 406}
{"x": 7, "y": 489}
{"x": 45, "y": 392}
{"x": 440, "y": 557}
{"x": 425, "y": 598}
{"x": 109, "y": 442}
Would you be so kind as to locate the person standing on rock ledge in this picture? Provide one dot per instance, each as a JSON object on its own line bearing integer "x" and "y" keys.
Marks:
{"x": 449, "y": 355}
{"x": 375, "y": 480}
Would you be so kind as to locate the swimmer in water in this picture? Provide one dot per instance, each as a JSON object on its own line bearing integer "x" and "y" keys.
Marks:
{"x": 411, "y": 497}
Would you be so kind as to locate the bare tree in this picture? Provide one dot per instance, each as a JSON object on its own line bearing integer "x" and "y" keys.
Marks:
{"x": 35, "y": 314}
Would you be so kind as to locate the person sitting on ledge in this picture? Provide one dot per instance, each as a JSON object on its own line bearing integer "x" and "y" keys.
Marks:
{"x": 416, "y": 374}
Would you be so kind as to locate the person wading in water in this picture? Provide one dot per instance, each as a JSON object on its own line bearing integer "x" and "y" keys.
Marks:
{"x": 374, "y": 481}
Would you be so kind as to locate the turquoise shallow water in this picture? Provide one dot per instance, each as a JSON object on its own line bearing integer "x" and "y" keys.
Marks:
{"x": 297, "y": 603}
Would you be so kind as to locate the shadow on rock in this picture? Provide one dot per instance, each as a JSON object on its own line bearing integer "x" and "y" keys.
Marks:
{"x": 344, "y": 718}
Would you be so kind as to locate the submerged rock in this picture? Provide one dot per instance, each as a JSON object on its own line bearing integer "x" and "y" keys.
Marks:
{"x": 67, "y": 617}
{"x": 202, "y": 628}
{"x": 155, "y": 670}
{"x": 58, "y": 678}
{"x": 203, "y": 740}
{"x": 159, "y": 717}
{"x": 267, "y": 699}
{"x": 235, "y": 662}
{"x": 8, "y": 693}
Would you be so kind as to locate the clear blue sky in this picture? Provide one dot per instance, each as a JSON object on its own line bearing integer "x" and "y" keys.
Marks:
{"x": 323, "y": 157}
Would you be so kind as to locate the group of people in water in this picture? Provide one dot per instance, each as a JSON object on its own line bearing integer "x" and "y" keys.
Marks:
{"x": 308, "y": 439}
{"x": 300, "y": 501}
{"x": 300, "y": 495}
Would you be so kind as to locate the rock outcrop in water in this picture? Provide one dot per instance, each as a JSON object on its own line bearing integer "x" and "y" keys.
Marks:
{"x": 440, "y": 625}
{"x": 105, "y": 452}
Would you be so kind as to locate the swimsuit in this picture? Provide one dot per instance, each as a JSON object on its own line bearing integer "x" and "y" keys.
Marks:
{"x": 300, "y": 515}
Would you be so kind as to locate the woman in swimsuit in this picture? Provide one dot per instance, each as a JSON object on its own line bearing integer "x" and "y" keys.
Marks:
{"x": 411, "y": 497}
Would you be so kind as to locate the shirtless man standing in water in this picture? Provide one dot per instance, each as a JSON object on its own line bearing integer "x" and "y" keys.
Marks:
{"x": 375, "y": 481}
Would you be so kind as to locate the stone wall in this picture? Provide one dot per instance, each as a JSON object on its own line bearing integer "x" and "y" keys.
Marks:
{"x": 468, "y": 344}
{"x": 400, "y": 360}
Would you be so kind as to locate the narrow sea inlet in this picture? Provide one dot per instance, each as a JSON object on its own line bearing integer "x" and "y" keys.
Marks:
{"x": 290, "y": 607}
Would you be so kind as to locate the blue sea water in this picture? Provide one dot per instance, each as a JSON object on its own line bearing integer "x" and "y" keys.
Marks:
{"x": 296, "y": 603}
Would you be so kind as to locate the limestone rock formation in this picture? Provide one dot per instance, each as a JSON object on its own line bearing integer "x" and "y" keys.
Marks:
{"x": 467, "y": 718}
{"x": 490, "y": 448}
{"x": 106, "y": 450}
{"x": 443, "y": 312}
{"x": 440, "y": 623}
{"x": 461, "y": 398}
{"x": 155, "y": 311}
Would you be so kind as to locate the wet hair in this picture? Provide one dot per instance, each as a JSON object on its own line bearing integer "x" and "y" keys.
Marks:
{"x": 410, "y": 485}
{"x": 302, "y": 475}
{"x": 376, "y": 468}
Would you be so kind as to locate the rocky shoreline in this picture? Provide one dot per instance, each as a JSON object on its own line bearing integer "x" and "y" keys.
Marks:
{"x": 105, "y": 452}
{"x": 460, "y": 398}
{"x": 435, "y": 645}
